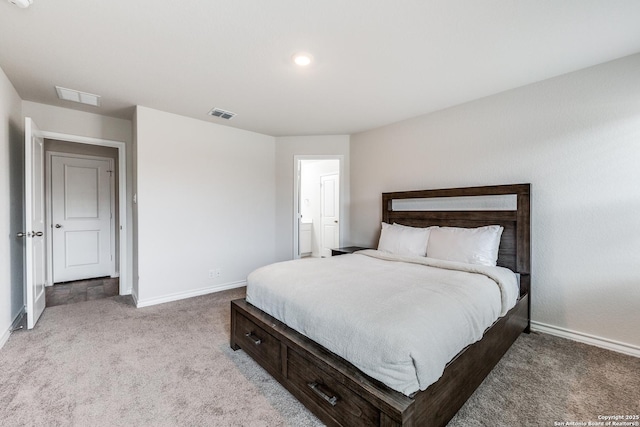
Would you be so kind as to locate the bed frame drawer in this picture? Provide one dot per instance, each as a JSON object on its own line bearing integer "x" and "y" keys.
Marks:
{"x": 328, "y": 393}
{"x": 258, "y": 343}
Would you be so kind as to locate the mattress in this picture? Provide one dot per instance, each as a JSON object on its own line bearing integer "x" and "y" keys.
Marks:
{"x": 398, "y": 319}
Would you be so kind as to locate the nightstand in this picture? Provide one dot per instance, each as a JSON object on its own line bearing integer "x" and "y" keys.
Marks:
{"x": 346, "y": 250}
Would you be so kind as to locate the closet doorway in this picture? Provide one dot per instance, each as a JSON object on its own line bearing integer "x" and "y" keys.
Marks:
{"x": 317, "y": 203}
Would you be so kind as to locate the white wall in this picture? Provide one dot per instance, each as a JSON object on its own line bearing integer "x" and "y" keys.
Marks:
{"x": 11, "y": 220}
{"x": 206, "y": 200}
{"x": 79, "y": 123}
{"x": 64, "y": 120}
{"x": 309, "y": 191}
{"x": 576, "y": 139}
{"x": 286, "y": 149}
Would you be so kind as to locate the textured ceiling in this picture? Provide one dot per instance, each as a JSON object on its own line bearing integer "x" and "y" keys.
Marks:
{"x": 376, "y": 62}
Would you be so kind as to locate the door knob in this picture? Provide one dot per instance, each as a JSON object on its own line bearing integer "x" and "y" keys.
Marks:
{"x": 37, "y": 234}
{"x": 58, "y": 226}
{"x": 336, "y": 221}
{"x": 21, "y": 234}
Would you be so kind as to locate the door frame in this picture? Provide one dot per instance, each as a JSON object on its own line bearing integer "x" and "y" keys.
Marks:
{"x": 49, "y": 210}
{"x": 125, "y": 283}
{"x": 296, "y": 195}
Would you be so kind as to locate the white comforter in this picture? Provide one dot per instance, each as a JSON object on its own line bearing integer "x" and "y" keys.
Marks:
{"x": 398, "y": 319}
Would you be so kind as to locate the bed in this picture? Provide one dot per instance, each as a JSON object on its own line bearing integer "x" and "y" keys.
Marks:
{"x": 341, "y": 394}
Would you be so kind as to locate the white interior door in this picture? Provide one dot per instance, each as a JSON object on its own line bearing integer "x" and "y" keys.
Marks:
{"x": 330, "y": 209}
{"x": 81, "y": 218}
{"x": 35, "y": 260}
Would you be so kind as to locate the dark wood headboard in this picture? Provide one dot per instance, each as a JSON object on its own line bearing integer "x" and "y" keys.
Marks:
{"x": 515, "y": 245}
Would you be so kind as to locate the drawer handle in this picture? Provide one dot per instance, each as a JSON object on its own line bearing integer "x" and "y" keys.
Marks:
{"x": 255, "y": 339}
{"x": 318, "y": 389}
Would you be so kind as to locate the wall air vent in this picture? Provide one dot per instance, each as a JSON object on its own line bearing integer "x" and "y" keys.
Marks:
{"x": 223, "y": 114}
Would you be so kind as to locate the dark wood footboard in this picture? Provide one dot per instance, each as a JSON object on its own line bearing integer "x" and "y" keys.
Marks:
{"x": 341, "y": 395}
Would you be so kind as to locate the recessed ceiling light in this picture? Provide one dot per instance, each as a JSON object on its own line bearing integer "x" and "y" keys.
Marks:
{"x": 77, "y": 96}
{"x": 302, "y": 59}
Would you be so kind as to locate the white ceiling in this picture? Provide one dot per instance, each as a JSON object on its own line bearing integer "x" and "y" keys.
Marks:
{"x": 376, "y": 61}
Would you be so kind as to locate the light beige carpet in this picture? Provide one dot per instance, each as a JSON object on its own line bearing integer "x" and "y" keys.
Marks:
{"x": 106, "y": 363}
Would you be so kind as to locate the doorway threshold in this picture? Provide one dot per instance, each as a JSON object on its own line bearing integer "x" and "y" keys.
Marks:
{"x": 82, "y": 290}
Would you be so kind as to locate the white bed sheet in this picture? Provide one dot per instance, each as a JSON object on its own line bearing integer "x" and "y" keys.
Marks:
{"x": 400, "y": 320}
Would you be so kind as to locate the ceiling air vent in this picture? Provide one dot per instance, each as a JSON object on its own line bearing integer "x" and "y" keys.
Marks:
{"x": 223, "y": 114}
{"x": 77, "y": 96}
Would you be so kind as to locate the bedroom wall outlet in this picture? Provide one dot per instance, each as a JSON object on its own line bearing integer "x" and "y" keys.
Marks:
{"x": 212, "y": 274}
{"x": 218, "y": 272}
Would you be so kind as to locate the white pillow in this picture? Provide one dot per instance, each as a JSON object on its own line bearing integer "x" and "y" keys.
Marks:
{"x": 469, "y": 245}
{"x": 403, "y": 240}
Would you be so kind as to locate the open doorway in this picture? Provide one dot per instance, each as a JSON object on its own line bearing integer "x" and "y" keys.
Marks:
{"x": 317, "y": 202}
{"x": 37, "y": 276}
{"x": 82, "y": 217}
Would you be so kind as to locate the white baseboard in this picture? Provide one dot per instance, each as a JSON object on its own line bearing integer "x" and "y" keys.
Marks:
{"x": 5, "y": 336}
{"x": 189, "y": 294}
{"x": 606, "y": 343}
